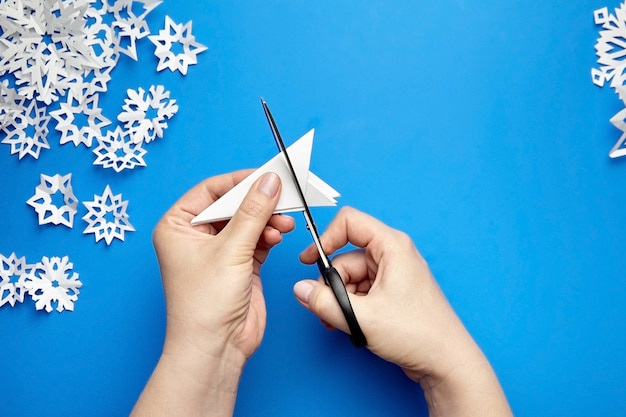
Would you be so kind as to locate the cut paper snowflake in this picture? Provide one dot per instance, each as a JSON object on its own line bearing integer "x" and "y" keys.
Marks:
{"x": 129, "y": 27}
{"x": 47, "y": 210}
{"x": 45, "y": 41}
{"x": 118, "y": 151}
{"x": 145, "y": 115}
{"x": 80, "y": 123}
{"x": 28, "y": 130}
{"x": 610, "y": 47}
{"x": 8, "y": 104}
{"x": 176, "y": 34}
{"x": 107, "y": 218}
{"x": 611, "y": 51}
{"x": 53, "y": 285}
{"x": 13, "y": 274}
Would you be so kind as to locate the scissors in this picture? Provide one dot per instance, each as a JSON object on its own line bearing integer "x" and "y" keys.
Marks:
{"x": 330, "y": 274}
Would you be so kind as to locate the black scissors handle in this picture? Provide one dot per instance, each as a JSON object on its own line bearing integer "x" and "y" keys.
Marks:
{"x": 334, "y": 281}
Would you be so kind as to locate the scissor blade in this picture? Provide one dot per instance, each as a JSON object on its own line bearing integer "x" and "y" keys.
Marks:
{"x": 310, "y": 224}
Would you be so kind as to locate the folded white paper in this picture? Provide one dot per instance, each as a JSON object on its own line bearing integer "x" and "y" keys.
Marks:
{"x": 316, "y": 192}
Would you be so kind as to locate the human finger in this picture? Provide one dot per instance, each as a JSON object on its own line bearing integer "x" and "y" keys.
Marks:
{"x": 250, "y": 219}
{"x": 320, "y": 300}
{"x": 353, "y": 226}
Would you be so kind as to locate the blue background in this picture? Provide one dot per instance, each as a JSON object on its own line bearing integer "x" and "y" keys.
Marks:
{"x": 473, "y": 127}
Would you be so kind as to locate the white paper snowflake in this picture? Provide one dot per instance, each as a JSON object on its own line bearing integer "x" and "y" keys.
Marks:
{"x": 44, "y": 205}
{"x": 610, "y": 47}
{"x": 78, "y": 122}
{"x": 45, "y": 42}
{"x": 8, "y": 103}
{"x": 611, "y": 51}
{"x": 172, "y": 34}
{"x": 28, "y": 130}
{"x": 118, "y": 151}
{"x": 13, "y": 274}
{"x": 129, "y": 27}
{"x": 145, "y": 115}
{"x": 52, "y": 284}
{"x": 107, "y": 218}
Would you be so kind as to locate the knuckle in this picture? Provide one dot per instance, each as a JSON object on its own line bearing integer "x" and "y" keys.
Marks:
{"x": 252, "y": 207}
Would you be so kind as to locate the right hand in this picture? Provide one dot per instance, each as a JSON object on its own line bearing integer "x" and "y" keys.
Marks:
{"x": 404, "y": 315}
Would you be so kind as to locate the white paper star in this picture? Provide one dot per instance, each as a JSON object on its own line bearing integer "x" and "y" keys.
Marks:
{"x": 13, "y": 274}
{"x": 107, "y": 218}
{"x": 27, "y": 132}
{"x": 181, "y": 34}
{"x": 118, "y": 151}
{"x": 80, "y": 123}
{"x": 43, "y": 203}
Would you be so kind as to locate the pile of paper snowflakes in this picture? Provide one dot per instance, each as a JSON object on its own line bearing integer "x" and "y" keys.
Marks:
{"x": 56, "y": 58}
{"x": 611, "y": 51}
{"x": 50, "y": 283}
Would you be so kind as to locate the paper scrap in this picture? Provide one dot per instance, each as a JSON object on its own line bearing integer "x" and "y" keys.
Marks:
{"x": 107, "y": 217}
{"x": 316, "y": 191}
{"x": 52, "y": 284}
{"x": 43, "y": 204}
{"x": 176, "y": 33}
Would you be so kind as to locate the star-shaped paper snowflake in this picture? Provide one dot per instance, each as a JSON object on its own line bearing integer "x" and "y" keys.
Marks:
{"x": 13, "y": 274}
{"x": 107, "y": 218}
{"x": 181, "y": 34}
{"x": 45, "y": 42}
{"x": 80, "y": 122}
{"x": 52, "y": 284}
{"x": 47, "y": 210}
{"x": 118, "y": 151}
{"x": 145, "y": 115}
{"x": 27, "y": 132}
{"x": 129, "y": 27}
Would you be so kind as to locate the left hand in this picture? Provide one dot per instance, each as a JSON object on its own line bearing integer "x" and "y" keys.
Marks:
{"x": 210, "y": 273}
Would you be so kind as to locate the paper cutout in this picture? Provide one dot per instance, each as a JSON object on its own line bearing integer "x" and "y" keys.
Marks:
{"x": 145, "y": 115}
{"x": 176, "y": 33}
{"x": 66, "y": 121}
{"x": 43, "y": 204}
{"x": 316, "y": 191}
{"x": 118, "y": 151}
{"x": 611, "y": 51}
{"x": 13, "y": 274}
{"x": 51, "y": 286}
{"x": 107, "y": 218}
{"x": 28, "y": 130}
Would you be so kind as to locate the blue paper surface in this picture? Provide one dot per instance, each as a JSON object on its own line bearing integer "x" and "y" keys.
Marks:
{"x": 475, "y": 128}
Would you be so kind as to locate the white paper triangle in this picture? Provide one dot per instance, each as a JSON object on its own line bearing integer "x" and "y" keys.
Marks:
{"x": 317, "y": 193}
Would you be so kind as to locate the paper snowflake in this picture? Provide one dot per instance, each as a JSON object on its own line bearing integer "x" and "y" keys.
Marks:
{"x": 107, "y": 218}
{"x": 118, "y": 151}
{"x": 129, "y": 27}
{"x": 13, "y": 274}
{"x": 611, "y": 51}
{"x": 145, "y": 115}
{"x": 176, "y": 34}
{"x": 52, "y": 284}
{"x": 28, "y": 130}
{"x": 45, "y": 41}
{"x": 47, "y": 210}
{"x": 9, "y": 106}
{"x": 80, "y": 122}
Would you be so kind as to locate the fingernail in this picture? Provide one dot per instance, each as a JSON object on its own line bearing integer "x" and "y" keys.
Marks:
{"x": 302, "y": 290}
{"x": 269, "y": 184}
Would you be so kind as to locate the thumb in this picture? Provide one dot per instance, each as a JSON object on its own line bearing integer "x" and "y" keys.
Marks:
{"x": 255, "y": 211}
{"x": 320, "y": 300}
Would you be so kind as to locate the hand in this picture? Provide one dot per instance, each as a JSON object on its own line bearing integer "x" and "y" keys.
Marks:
{"x": 214, "y": 300}
{"x": 403, "y": 314}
